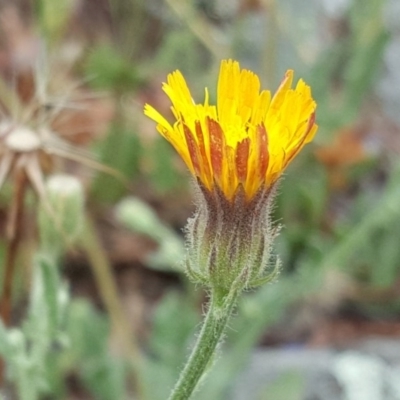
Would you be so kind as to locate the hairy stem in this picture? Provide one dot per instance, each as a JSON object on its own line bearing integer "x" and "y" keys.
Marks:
{"x": 210, "y": 336}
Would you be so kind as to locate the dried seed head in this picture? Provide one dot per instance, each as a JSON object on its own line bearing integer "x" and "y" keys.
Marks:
{"x": 22, "y": 140}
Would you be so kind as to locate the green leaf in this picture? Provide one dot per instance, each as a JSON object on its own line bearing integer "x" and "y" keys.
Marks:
{"x": 173, "y": 325}
{"x": 102, "y": 373}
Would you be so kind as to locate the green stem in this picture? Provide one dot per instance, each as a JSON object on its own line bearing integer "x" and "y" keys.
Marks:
{"x": 102, "y": 271}
{"x": 210, "y": 336}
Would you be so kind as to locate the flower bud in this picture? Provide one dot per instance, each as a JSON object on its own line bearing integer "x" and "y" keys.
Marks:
{"x": 61, "y": 212}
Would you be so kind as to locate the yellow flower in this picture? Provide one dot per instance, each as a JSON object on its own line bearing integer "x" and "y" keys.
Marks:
{"x": 248, "y": 138}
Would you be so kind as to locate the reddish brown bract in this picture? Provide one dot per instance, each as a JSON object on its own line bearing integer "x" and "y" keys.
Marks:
{"x": 216, "y": 147}
{"x": 242, "y": 159}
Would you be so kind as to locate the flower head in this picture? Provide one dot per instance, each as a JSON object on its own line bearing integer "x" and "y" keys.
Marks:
{"x": 237, "y": 150}
{"x": 247, "y": 139}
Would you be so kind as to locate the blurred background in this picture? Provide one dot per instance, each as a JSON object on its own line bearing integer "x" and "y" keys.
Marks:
{"x": 112, "y": 315}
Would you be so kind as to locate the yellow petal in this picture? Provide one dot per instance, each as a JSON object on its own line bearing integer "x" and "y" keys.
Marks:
{"x": 247, "y": 138}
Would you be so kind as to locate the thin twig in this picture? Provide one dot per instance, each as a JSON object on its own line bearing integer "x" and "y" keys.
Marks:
{"x": 199, "y": 26}
{"x": 14, "y": 231}
{"x": 13, "y": 238}
{"x": 109, "y": 293}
